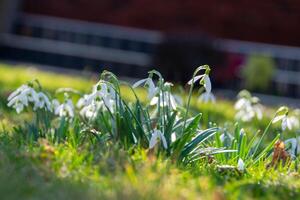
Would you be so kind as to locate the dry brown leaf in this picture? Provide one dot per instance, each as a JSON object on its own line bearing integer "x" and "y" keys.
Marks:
{"x": 279, "y": 155}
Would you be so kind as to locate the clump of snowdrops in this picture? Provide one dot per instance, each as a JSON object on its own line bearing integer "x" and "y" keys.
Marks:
{"x": 163, "y": 124}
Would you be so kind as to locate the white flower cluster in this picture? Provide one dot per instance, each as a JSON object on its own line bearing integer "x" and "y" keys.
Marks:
{"x": 247, "y": 107}
{"x": 66, "y": 109}
{"x": 166, "y": 98}
{"x": 103, "y": 96}
{"x": 24, "y": 95}
{"x": 163, "y": 97}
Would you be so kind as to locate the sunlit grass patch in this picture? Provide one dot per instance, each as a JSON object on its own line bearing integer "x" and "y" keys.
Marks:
{"x": 106, "y": 139}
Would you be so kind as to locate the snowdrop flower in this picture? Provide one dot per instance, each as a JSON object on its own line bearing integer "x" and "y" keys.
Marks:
{"x": 226, "y": 139}
{"x": 155, "y": 137}
{"x": 247, "y": 107}
{"x": 196, "y": 78}
{"x": 294, "y": 149}
{"x": 152, "y": 89}
{"x": 83, "y": 101}
{"x": 294, "y": 122}
{"x": 21, "y": 98}
{"x": 90, "y": 111}
{"x": 65, "y": 109}
{"x": 18, "y": 105}
{"x": 207, "y": 95}
{"x": 103, "y": 95}
{"x": 42, "y": 101}
{"x": 101, "y": 92}
{"x": 165, "y": 100}
{"x": 287, "y": 122}
{"x": 241, "y": 165}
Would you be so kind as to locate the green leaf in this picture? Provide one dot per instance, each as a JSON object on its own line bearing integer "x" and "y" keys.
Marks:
{"x": 201, "y": 137}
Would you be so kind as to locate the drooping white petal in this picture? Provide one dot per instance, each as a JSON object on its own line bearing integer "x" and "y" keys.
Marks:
{"x": 152, "y": 92}
{"x": 241, "y": 103}
{"x": 288, "y": 123}
{"x": 207, "y": 83}
{"x": 207, "y": 96}
{"x": 173, "y": 137}
{"x": 258, "y": 111}
{"x": 82, "y": 101}
{"x": 154, "y": 101}
{"x": 17, "y": 92}
{"x": 42, "y": 101}
{"x": 196, "y": 78}
{"x": 294, "y": 121}
{"x": 278, "y": 118}
{"x": 241, "y": 165}
{"x": 139, "y": 83}
{"x": 155, "y": 137}
{"x": 153, "y": 140}
{"x": 284, "y": 123}
{"x": 172, "y": 102}
{"x": 19, "y": 107}
{"x": 65, "y": 109}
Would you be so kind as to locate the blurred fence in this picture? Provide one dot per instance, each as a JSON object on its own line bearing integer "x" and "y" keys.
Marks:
{"x": 131, "y": 52}
{"x": 77, "y": 44}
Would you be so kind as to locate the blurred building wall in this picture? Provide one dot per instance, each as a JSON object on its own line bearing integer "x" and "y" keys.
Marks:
{"x": 8, "y": 10}
{"x": 266, "y": 21}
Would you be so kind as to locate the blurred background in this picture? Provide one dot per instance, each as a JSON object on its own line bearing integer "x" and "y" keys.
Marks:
{"x": 248, "y": 44}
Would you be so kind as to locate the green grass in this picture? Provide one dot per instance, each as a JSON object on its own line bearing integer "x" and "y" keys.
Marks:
{"x": 47, "y": 169}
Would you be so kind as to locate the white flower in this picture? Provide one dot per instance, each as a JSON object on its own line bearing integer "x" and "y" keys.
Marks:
{"x": 55, "y": 104}
{"x": 42, "y": 101}
{"x": 196, "y": 78}
{"x": 21, "y": 98}
{"x": 18, "y": 91}
{"x": 101, "y": 92}
{"x": 103, "y": 96}
{"x": 173, "y": 137}
{"x": 285, "y": 123}
{"x": 241, "y": 165}
{"x": 248, "y": 108}
{"x": 83, "y": 101}
{"x": 165, "y": 100}
{"x": 152, "y": 90}
{"x": 241, "y": 103}
{"x": 18, "y": 105}
{"x": 157, "y": 136}
{"x": 289, "y": 122}
{"x": 207, "y": 83}
{"x": 257, "y": 108}
{"x": 294, "y": 122}
{"x": 90, "y": 111}
{"x": 226, "y": 136}
{"x": 206, "y": 97}
{"x": 65, "y": 109}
